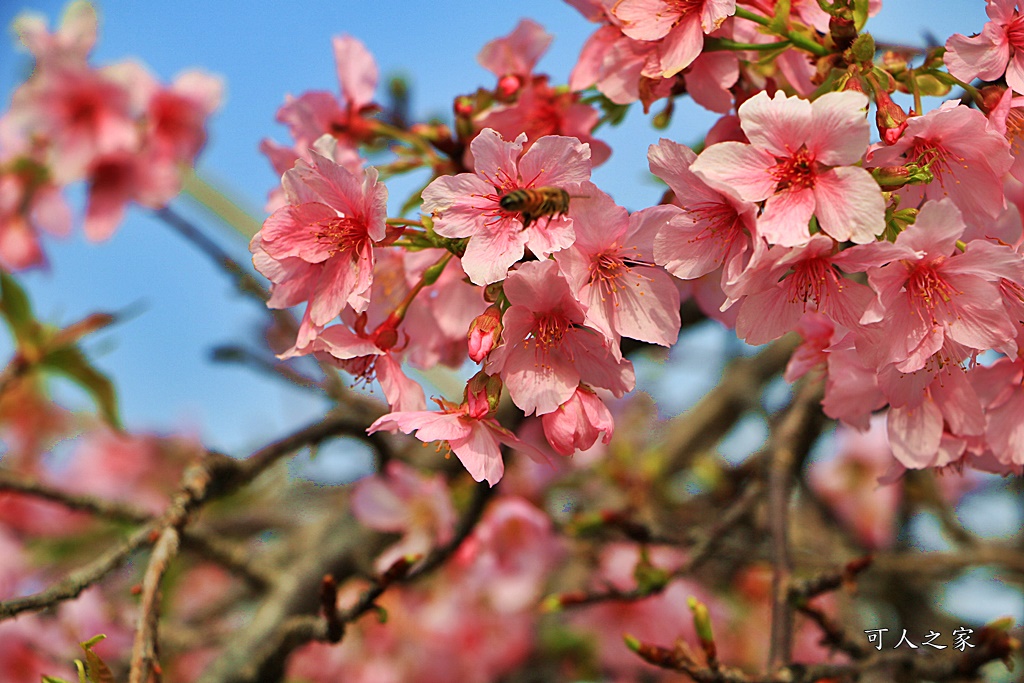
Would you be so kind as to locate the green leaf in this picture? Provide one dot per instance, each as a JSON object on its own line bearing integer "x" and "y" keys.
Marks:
{"x": 96, "y": 669}
{"x": 860, "y": 14}
{"x": 16, "y": 308}
{"x": 70, "y": 362}
{"x": 931, "y": 86}
{"x": 53, "y": 679}
{"x": 87, "y": 645}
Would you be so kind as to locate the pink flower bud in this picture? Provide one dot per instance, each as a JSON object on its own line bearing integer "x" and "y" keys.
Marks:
{"x": 507, "y": 86}
{"x": 577, "y": 423}
{"x": 484, "y": 332}
{"x": 483, "y": 392}
{"x": 890, "y": 118}
{"x": 463, "y": 106}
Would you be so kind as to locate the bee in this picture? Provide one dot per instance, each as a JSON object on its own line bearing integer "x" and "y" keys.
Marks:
{"x": 534, "y": 202}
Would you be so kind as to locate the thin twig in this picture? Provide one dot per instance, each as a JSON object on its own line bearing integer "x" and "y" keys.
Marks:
{"x": 787, "y": 441}
{"x": 77, "y": 581}
{"x": 231, "y": 353}
{"x": 700, "y": 552}
{"x": 220, "y": 476}
{"x": 144, "y": 662}
{"x": 122, "y": 512}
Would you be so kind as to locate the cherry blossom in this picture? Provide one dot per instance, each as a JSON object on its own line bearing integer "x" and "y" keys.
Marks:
{"x": 468, "y": 204}
{"x": 610, "y": 266}
{"x": 967, "y": 156}
{"x": 800, "y": 160}
{"x": 681, "y": 25}
{"x": 929, "y": 292}
{"x": 319, "y": 246}
{"x": 994, "y": 51}
{"x": 474, "y": 438}
{"x": 547, "y": 350}
{"x": 577, "y": 424}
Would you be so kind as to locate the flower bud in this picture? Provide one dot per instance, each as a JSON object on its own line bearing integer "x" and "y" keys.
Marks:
{"x": 484, "y": 333}
{"x": 577, "y": 423}
{"x": 463, "y": 106}
{"x": 483, "y": 392}
{"x": 890, "y": 118}
{"x": 508, "y": 86}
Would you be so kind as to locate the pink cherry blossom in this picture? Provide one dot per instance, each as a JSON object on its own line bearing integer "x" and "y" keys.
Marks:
{"x": 81, "y": 112}
{"x": 72, "y": 42}
{"x": 176, "y": 116}
{"x": 317, "y": 113}
{"x": 578, "y": 423}
{"x": 930, "y": 292}
{"x": 712, "y": 229}
{"x": 27, "y": 204}
{"x": 1004, "y": 404}
{"x": 615, "y": 64}
{"x": 547, "y": 350}
{"x": 509, "y": 555}
{"x": 680, "y": 25}
{"x": 934, "y": 431}
{"x": 476, "y": 441}
{"x": 468, "y": 204}
{"x": 783, "y": 283}
{"x": 998, "y": 49}
{"x": 800, "y": 160}
{"x": 848, "y": 484}
{"x": 407, "y": 502}
{"x": 329, "y": 227}
{"x": 518, "y": 52}
{"x": 540, "y": 110}
{"x": 368, "y": 356}
{"x": 967, "y": 156}
{"x": 611, "y": 268}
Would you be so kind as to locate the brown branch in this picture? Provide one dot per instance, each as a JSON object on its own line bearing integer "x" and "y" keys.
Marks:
{"x": 215, "y": 549}
{"x": 232, "y": 353}
{"x": 214, "y": 476}
{"x": 283, "y": 622}
{"x": 115, "y": 510}
{"x": 937, "y": 565}
{"x": 231, "y": 556}
{"x": 699, "y": 552}
{"x": 790, "y": 441}
{"x": 992, "y": 644}
{"x": 144, "y": 663}
{"x": 77, "y": 581}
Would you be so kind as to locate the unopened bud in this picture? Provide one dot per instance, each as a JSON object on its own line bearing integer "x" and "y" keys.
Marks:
{"x": 484, "y": 333}
{"x": 991, "y": 96}
{"x": 890, "y": 118}
{"x": 463, "y": 106}
{"x": 894, "y": 177}
{"x": 842, "y": 28}
{"x": 483, "y": 392}
{"x": 508, "y": 86}
{"x": 863, "y": 48}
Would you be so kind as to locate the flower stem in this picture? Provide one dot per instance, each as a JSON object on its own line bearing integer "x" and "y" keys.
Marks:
{"x": 798, "y": 39}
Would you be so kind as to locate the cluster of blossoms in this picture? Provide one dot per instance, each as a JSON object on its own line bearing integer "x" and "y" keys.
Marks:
{"x": 130, "y": 138}
{"x": 898, "y": 262}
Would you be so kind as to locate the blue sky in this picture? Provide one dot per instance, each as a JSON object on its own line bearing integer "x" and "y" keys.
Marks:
{"x": 263, "y": 50}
